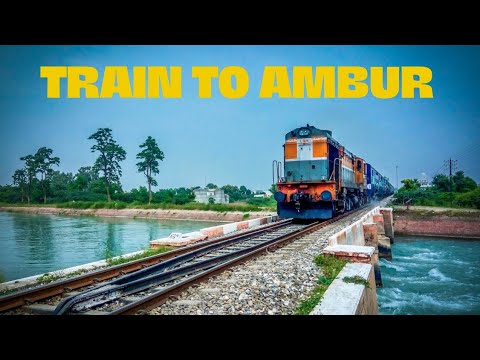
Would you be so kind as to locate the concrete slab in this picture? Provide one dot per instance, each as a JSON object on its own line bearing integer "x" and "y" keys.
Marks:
{"x": 178, "y": 239}
{"x": 187, "y": 302}
{"x": 40, "y": 309}
{"x": 354, "y": 250}
{"x": 343, "y": 298}
{"x": 94, "y": 312}
{"x": 130, "y": 299}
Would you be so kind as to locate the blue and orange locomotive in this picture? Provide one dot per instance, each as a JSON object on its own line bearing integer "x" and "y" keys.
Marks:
{"x": 322, "y": 178}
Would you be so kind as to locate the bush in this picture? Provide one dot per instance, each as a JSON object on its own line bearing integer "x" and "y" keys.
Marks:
{"x": 469, "y": 199}
{"x": 433, "y": 197}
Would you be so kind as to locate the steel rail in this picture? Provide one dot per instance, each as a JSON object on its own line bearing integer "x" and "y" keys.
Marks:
{"x": 154, "y": 300}
{"x": 169, "y": 270}
{"x": 31, "y": 295}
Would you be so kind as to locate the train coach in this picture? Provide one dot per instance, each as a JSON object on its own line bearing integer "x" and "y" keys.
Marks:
{"x": 320, "y": 178}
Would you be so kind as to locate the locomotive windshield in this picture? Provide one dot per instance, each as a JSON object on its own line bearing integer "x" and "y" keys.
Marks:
{"x": 304, "y": 132}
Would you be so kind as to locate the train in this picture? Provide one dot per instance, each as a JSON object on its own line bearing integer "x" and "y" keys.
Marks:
{"x": 320, "y": 178}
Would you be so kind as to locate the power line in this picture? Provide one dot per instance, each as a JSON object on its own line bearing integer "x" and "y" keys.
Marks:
{"x": 451, "y": 164}
{"x": 466, "y": 152}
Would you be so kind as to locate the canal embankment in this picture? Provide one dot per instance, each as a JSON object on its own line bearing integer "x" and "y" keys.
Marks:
{"x": 161, "y": 214}
{"x": 440, "y": 222}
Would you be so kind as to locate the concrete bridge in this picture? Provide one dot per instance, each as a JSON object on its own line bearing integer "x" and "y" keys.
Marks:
{"x": 361, "y": 244}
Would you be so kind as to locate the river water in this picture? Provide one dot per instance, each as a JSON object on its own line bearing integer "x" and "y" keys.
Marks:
{"x": 431, "y": 276}
{"x": 36, "y": 244}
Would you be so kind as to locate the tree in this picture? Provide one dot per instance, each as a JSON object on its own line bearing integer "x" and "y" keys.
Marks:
{"x": 20, "y": 179}
{"x": 109, "y": 159}
{"x": 441, "y": 182}
{"x": 211, "y": 186}
{"x": 463, "y": 183}
{"x": 410, "y": 184}
{"x": 84, "y": 178}
{"x": 245, "y": 191}
{"x": 31, "y": 171}
{"x": 273, "y": 188}
{"x": 150, "y": 155}
{"x": 60, "y": 182}
{"x": 233, "y": 192}
{"x": 183, "y": 196}
{"x": 43, "y": 165}
{"x": 211, "y": 200}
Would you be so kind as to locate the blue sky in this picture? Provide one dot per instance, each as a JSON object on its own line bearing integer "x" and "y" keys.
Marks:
{"x": 234, "y": 141}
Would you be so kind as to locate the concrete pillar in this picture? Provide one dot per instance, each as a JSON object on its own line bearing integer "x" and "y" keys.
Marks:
{"x": 384, "y": 248}
{"x": 388, "y": 222}
{"x": 378, "y": 219}
{"x": 359, "y": 254}
{"x": 370, "y": 232}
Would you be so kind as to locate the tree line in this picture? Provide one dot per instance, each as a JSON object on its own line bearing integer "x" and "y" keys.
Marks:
{"x": 38, "y": 173}
{"x": 38, "y": 181}
{"x": 460, "y": 191}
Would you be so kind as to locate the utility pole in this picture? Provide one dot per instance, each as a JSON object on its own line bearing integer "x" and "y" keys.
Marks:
{"x": 451, "y": 165}
{"x": 396, "y": 170}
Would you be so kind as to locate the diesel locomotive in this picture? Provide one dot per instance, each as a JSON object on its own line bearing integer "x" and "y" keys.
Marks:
{"x": 321, "y": 178}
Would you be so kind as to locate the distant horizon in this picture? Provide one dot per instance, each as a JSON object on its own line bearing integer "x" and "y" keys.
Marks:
{"x": 234, "y": 141}
{"x": 156, "y": 188}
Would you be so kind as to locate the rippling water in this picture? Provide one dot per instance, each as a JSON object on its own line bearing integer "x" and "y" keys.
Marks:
{"x": 36, "y": 244}
{"x": 431, "y": 276}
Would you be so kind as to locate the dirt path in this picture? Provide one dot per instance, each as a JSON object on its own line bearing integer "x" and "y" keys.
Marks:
{"x": 173, "y": 214}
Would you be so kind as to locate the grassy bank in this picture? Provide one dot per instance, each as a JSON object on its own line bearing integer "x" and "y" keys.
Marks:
{"x": 118, "y": 205}
{"x": 433, "y": 212}
{"x": 435, "y": 198}
{"x": 57, "y": 275}
{"x": 144, "y": 254}
{"x": 330, "y": 267}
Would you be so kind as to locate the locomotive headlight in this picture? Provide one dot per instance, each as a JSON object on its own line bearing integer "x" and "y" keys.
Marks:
{"x": 326, "y": 195}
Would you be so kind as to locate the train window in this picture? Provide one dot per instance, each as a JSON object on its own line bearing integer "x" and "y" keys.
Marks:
{"x": 359, "y": 165}
{"x": 304, "y": 132}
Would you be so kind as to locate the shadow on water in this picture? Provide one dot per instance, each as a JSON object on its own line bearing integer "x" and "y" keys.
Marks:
{"x": 111, "y": 246}
{"x": 35, "y": 234}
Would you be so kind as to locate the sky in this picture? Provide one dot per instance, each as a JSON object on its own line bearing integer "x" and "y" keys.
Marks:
{"x": 234, "y": 141}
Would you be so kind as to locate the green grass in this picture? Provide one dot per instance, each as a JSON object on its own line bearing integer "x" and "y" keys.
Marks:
{"x": 222, "y": 208}
{"x": 49, "y": 277}
{"x": 330, "y": 267}
{"x": 144, "y": 254}
{"x": 7, "y": 291}
{"x": 356, "y": 280}
{"x": 164, "y": 206}
{"x": 427, "y": 213}
{"x": 246, "y": 216}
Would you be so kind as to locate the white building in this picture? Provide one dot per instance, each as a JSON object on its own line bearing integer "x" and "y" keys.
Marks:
{"x": 218, "y": 195}
{"x": 262, "y": 194}
{"x": 423, "y": 180}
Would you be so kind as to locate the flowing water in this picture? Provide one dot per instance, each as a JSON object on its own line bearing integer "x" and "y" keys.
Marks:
{"x": 36, "y": 244}
{"x": 431, "y": 276}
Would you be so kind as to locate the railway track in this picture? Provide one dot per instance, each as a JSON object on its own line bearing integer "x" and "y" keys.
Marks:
{"x": 65, "y": 286}
{"x": 150, "y": 286}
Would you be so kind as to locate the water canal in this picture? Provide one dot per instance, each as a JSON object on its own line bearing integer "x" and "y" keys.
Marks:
{"x": 36, "y": 244}
{"x": 431, "y": 276}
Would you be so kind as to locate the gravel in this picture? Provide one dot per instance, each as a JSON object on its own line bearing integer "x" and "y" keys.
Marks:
{"x": 271, "y": 284}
